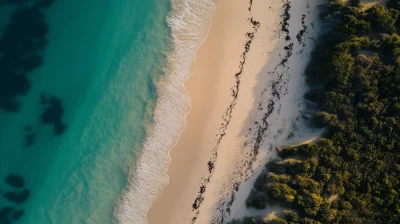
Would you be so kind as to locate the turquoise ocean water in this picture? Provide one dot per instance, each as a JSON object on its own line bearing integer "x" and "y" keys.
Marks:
{"x": 101, "y": 60}
{"x": 91, "y": 101}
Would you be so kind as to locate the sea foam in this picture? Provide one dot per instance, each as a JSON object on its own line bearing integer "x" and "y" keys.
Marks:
{"x": 189, "y": 22}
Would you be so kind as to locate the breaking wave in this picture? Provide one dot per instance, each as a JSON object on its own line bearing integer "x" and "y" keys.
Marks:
{"x": 189, "y": 22}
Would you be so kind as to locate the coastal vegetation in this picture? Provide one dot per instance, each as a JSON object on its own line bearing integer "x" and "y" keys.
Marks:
{"x": 352, "y": 174}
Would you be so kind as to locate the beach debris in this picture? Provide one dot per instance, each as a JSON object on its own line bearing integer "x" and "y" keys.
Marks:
{"x": 226, "y": 118}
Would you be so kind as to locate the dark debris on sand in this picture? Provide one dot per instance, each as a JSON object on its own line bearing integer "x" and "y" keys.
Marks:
{"x": 302, "y": 32}
{"x": 226, "y": 120}
{"x": 262, "y": 125}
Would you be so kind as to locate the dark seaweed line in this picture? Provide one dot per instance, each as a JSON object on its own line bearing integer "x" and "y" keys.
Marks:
{"x": 226, "y": 120}
{"x": 276, "y": 89}
{"x": 250, "y": 6}
{"x": 302, "y": 32}
{"x": 263, "y": 127}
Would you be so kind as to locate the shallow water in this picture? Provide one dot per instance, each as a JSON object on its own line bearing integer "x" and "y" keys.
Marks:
{"x": 74, "y": 131}
{"x": 92, "y": 99}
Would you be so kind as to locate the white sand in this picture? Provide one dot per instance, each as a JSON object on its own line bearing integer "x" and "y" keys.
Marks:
{"x": 217, "y": 62}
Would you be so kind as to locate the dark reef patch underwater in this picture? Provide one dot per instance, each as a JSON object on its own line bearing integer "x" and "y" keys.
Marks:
{"x": 15, "y": 181}
{"x": 21, "y": 45}
{"x": 15, "y": 197}
{"x": 77, "y": 92}
{"x": 22, "y": 42}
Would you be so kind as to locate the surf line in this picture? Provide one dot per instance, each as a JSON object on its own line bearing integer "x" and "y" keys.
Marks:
{"x": 226, "y": 118}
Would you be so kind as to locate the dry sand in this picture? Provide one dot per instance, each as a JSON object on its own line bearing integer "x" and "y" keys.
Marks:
{"x": 246, "y": 91}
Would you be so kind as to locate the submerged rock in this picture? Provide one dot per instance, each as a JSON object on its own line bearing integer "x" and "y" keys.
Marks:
{"x": 4, "y": 214}
{"x": 29, "y": 139}
{"x": 21, "y": 46}
{"x": 15, "y": 181}
{"x": 53, "y": 113}
{"x": 17, "y": 214}
{"x": 17, "y": 197}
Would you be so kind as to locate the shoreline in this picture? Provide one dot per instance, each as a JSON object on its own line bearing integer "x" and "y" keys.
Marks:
{"x": 215, "y": 160}
{"x": 149, "y": 175}
{"x": 201, "y": 90}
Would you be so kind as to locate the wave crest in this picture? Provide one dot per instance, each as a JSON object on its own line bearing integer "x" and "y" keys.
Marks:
{"x": 189, "y": 22}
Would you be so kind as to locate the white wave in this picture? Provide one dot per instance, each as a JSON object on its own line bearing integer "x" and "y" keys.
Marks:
{"x": 189, "y": 22}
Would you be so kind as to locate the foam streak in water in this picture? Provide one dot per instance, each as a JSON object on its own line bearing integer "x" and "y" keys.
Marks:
{"x": 189, "y": 22}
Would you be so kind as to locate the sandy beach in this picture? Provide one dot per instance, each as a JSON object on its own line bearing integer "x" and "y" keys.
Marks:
{"x": 246, "y": 99}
